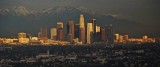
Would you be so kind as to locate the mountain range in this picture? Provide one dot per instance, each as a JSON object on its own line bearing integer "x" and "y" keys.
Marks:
{"x": 22, "y": 19}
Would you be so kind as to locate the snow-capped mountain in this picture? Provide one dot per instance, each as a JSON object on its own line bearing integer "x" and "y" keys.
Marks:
{"x": 23, "y": 11}
{"x": 15, "y": 11}
{"x": 4, "y": 11}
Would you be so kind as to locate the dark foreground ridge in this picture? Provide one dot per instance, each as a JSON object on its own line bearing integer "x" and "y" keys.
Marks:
{"x": 128, "y": 55}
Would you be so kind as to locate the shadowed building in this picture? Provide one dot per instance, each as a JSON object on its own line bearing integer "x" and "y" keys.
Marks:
{"x": 43, "y": 33}
{"x": 103, "y": 33}
{"x": 109, "y": 35}
{"x": 70, "y": 31}
{"x": 93, "y": 21}
{"x": 76, "y": 31}
{"x": 60, "y": 34}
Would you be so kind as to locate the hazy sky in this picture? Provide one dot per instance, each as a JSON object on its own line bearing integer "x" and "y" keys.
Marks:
{"x": 146, "y": 12}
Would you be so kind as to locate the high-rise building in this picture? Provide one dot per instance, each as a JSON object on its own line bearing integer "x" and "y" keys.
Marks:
{"x": 109, "y": 35}
{"x": 116, "y": 37}
{"x": 98, "y": 28}
{"x": 22, "y": 35}
{"x": 53, "y": 33}
{"x": 93, "y": 21}
{"x": 81, "y": 22}
{"x": 89, "y": 33}
{"x": 70, "y": 31}
{"x": 60, "y": 34}
{"x": 82, "y": 29}
{"x": 44, "y": 33}
{"x": 59, "y": 25}
{"x": 94, "y": 38}
{"x": 121, "y": 38}
{"x": 97, "y": 35}
{"x": 103, "y": 33}
{"x": 125, "y": 37}
{"x": 76, "y": 31}
{"x": 82, "y": 35}
{"x": 69, "y": 38}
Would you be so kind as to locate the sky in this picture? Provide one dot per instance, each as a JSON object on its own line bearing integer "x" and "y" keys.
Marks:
{"x": 146, "y": 12}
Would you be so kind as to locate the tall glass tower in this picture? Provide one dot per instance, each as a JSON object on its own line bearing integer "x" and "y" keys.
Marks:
{"x": 82, "y": 29}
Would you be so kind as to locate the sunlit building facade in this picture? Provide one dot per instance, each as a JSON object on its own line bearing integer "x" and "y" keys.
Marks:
{"x": 82, "y": 29}
{"x": 89, "y": 32}
{"x": 121, "y": 38}
{"x": 22, "y": 35}
{"x": 53, "y": 33}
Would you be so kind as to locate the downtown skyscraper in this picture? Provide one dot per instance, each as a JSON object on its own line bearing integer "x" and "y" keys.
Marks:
{"x": 82, "y": 29}
{"x": 60, "y": 31}
{"x": 53, "y": 33}
{"x": 89, "y": 33}
{"x": 43, "y": 33}
{"x": 70, "y": 31}
{"x": 109, "y": 34}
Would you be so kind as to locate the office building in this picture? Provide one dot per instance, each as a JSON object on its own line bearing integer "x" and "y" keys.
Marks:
{"x": 59, "y": 25}
{"x": 22, "y": 38}
{"x": 70, "y": 31}
{"x": 69, "y": 38}
{"x": 93, "y": 21}
{"x": 43, "y": 33}
{"x": 121, "y": 38}
{"x": 82, "y": 35}
{"x": 125, "y": 37}
{"x": 116, "y": 36}
{"x": 22, "y": 35}
{"x": 53, "y": 33}
{"x": 60, "y": 34}
{"x": 98, "y": 28}
{"x": 76, "y": 31}
{"x": 81, "y": 22}
{"x": 109, "y": 35}
{"x": 103, "y": 33}
{"x": 82, "y": 29}
{"x": 89, "y": 33}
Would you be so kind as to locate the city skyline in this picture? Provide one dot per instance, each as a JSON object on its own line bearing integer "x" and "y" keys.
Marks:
{"x": 64, "y": 25}
{"x": 124, "y": 14}
{"x": 81, "y": 33}
{"x": 60, "y": 22}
